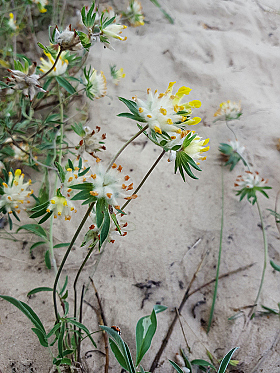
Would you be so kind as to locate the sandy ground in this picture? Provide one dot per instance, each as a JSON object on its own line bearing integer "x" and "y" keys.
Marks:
{"x": 222, "y": 50}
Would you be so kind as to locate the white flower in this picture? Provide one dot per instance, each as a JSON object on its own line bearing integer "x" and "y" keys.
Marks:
{"x": 98, "y": 86}
{"x": 111, "y": 185}
{"x": 41, "y": 5}
{"x": 113, "y": 31}
{"x": 117, "y": 75}
{"x": 12, "y": 22}
{"x": 28, "y": 83}
{"x": 228, "y": 111}
{"x": 72, "y": 178}
{"x": 134, "y": 13}
{"x": 250, "y": 180}
{"x": 164, "y": 112}
{"x": 60, "y": 67}
{"x": 92, "y": 141}
{"x": 67, "y": 39}
{"x": 61, "y": 206}
{"x": 237, "y": 147}
{"x": 194, "y": 149}
{"x": 15, "y": 192}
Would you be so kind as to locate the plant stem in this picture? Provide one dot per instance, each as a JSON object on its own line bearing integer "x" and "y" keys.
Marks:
{"x": 125, "y": 145}
{"x": 53, "y": 66}
{"x": 231, "y": 130}
{"x": 219, "y": 258}
{"x": 251, "y": 314}
{"x": 75, "y": 285}
{"x": 66, "y": 256}
{"x": 145, "y": 177}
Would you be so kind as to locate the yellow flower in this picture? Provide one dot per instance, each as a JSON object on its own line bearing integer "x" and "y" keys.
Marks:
{"x": 228, "y": 111}
{"x": 165, "y": 112}
{"x": 60, "y": 67}
{"x": 41, "y": 5}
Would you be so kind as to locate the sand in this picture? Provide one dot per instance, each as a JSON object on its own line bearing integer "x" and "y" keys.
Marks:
{"x": 223, "y": 50}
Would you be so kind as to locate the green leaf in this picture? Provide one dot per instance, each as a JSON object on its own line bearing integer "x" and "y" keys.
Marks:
{"x": 60, "y": 340}
{"x": 105, "y": 228}
{"x": 40, "y": 207}
{"x": 43, "y": 195}
{"x": 202, "y": 363}
{"x": 38, "y": 290}
{"x": 100, "y": 211}
{"x": 66, "y": 361}
{"x": 131, "y": 116}
{"x": 270, "y": 310}
{"x": 176, "y": 366}
{"x": 84, "y": 328}
{"x": 159, "y": 308}
{"x": 186, "y": 360}
{"x": 60, "y": 171}
{"x": 118, "y": 355}
{"x": 66, "y": 244}
{"x": 131, "y": 105}
{"x": 37, "y": 244}
{"x": 122, "y": 347}
{"x": 78, "y": 128}
{"x": 45, "y": 217}
{"x": 145, "y": 330}
{"x": 24, "y": 308}
{"x": 275, "y": 266}
{"x": 53, "y": 330}
{"x": 48, "y": 259}
{"x": 65, "y": 84}
{"x": 83, "y": 186}
{"x": 34, "y": 228}
{"x": 226, "y": 360}
{"x": 41, "y": 336}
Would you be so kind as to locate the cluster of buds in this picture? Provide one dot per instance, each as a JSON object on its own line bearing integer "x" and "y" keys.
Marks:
{"x": 228, "y": 111}
{"x": 249, "y": 184}
{"x": 28, "y": 83}
{"x": 92, "y": 141}
{"x": 67, "y": 39}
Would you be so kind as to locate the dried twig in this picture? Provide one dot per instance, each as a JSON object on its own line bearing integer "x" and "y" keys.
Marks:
{"x": 186, "y": 296}
{"x": 185, "y": 338}
{"x": 102, "y": 322}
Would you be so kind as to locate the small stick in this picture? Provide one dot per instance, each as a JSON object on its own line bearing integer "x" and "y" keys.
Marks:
{"x": 186, "y": 296}
{"x": 102, "y": 322}
{"x": 185, "y": 338}
{"x": 80, "y": 320}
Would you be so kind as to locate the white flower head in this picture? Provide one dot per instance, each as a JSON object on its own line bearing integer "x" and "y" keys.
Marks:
{"x": 12, "y": 22}
{"x": 237, "y": 147}
{"x": 92, "y": 141}
{"x": 110, "y": 32}
{"x": 228, "y": 111}
{"x": 60, "y": 67}
{"x": 73, "y": 177}
{"x": 41, "y": 5}
{"x": 96, "y": 84}
{"x": 191, "y": 144}
{"x": 164, "y": 112}
{"x": 249, "y": 184}
{"x": 134, "y": 13}
{"x": 28, "y": 83}
{"x": 67, "y": 39}
{"x": 15, "y": 192}
{"x": 117, "y": 75}
{"x": 61, "y": 206}
{"x": 111, "y": 185}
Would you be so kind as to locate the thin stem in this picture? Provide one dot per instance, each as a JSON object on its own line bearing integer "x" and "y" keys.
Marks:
{"x": 264, "y": 263}
{"x": 125, "y": 145}
{"x": 231, "y": 130}
{"x": 80, "y": 321}
{"x": 145, "y": 177}
{"x": 66, "y": 256}
{"x": 53, "y": 66}
{"x": 219, "y": 258}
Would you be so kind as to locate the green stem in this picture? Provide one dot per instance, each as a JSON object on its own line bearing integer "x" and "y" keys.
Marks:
{"x": 251, "y": 314}
{"x": 75, "y": 285}
{"x": 66, "y": 256}
{"x": 219, "y": 258}
{"x": 231, "y": 130}
{"x": 125, "y": 145}
{"x": 145, "y": 178}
